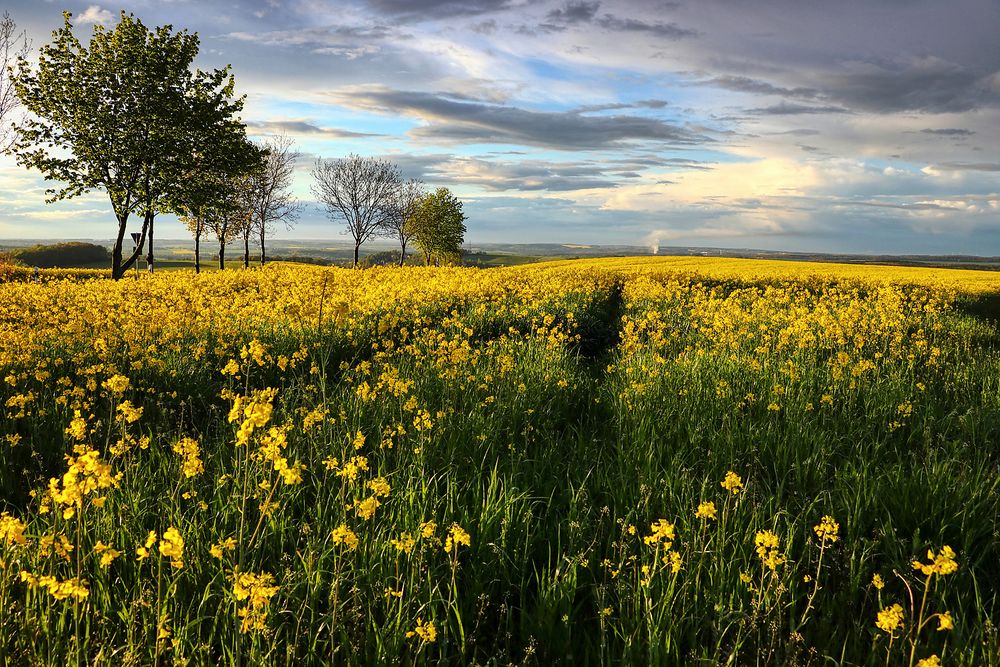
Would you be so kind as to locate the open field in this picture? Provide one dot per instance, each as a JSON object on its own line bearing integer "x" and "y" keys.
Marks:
{"x": 621, "y": 461}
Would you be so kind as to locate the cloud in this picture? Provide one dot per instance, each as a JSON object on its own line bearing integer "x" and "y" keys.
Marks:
{"x": 964, "y": 166}
{"x": 670, "y": 31}
{"x": 460, "y": 121}
{"x": 743, "y": 84}
{"x": 95, "y": 14}
{"x": 341, "y": 40}
{"x": 575, "y": 11}
{"x": 927, "y": 83}
{"x": 420, "y": 10}
{"x": 303, "y": 127}
{"x": 788, "y": 109}
{"x": 949, "y": 132}
{"x": 615, "y": 106}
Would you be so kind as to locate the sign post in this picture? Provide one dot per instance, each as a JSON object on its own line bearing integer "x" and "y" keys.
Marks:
{"x": 136, "y": 236}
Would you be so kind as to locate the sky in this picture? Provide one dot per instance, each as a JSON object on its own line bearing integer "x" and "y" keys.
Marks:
{"x": 861, "y": 126}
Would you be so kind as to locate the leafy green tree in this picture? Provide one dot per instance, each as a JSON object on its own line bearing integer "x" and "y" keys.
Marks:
{"x": 438, "y": 226}
{"x": 126, "y": 114}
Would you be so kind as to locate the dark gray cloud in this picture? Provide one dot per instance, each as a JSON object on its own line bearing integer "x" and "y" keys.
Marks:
{"x": 421, "y": 10}
{"x": 670, "y": 31}
{"x": 450, "y": 120}
{"x": 949, "y": 132}
{"x": 789, "y": 109}
{"x": 744, "y": 84}
{"x": 575, "y": 11}
{"x": 928, "y": 84}
{"x": 585, "y": 12}
{"x": 617, "y": 106}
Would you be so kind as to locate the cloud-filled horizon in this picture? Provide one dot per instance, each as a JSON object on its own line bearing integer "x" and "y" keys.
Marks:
{"x": 860, "y": 126}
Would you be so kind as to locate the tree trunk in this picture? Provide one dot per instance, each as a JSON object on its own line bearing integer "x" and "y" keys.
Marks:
{"x": 402, "y": 253}
{"x": 149, "y": 256}
{"x": 356, "y": 246}
{"x": 197, "y": 248}
{"x": 246, "y": 250}
{"x": 222, "y": 255}
{"x": 119, "y": 265}
{"x": 116, "y": 252}
{"x": 262, "y": 244}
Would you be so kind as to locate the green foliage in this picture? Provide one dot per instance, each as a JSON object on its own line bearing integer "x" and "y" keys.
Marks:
{"x": 62, "y": 255}
{"x": 438, "y": 226}
{"x": 126, "y": 113}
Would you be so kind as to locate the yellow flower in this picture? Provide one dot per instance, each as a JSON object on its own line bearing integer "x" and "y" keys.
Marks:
{"x": 231, "y": 368}
{"x": 945, "y": 621}
{"x": 660, "y": 531}
{"x": 379, "y": 486}
{"x": 116, "y": 384}
{"x": 674, "y": 560}
{"x": 941, "y": 563}
{"x": 256, "y": 590}
{"x": 61, "y": 590}
{"x": 932, "y": 661}
{"x": 427, "y": 529}
{"x": 172, "y": 546}
{"x": 768, "y": 549}
{"x": 890, "y": 619}
{"x": 12, "y": 530}
{"x": 108, "y": 555}
{"x": 191, "y": 463}
{"x": 344, "y": 535}
{"x": 732, "y": 483}
{"x": 405, "y": 543}
{"x": 366, "y": 508}
{"x": 456, "y": 537}
{"x": 425, "y": 631}
{"x": 877, "y": 581}
{"x": 827, "y": 529}
{"x": 129, "y": 413}
{"x": 706, "y": 510}
{"x": 77, "y": 428}
{"x": 219, "y": 548}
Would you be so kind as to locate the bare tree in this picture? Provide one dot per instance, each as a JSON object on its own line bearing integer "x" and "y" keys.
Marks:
{"x": 361, "y": 191}
{"x": 14, "y": 46}
{"x": 400, "y": 226}
{"x": 269, "y": 195}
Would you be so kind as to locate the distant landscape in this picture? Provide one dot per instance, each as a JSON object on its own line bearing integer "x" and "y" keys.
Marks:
{"x": 175, "y": 254}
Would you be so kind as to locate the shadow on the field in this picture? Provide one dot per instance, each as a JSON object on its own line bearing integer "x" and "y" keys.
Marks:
{"x": 986, "y": 308}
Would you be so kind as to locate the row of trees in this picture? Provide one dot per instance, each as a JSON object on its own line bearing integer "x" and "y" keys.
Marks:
{"x": 370, "y": 196}
{"x": 127, "y": 113}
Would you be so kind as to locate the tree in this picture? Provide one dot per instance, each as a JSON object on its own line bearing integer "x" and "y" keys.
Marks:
{"x": 361, "y": 191}
{"x": 269, "y": 196}
{"x": 226, "y": 222}
{"x": 399, "y": 226}
{"x": 438, "y": 226}
{"x": 120, "y": 115}
{"x": 13, "y": 47}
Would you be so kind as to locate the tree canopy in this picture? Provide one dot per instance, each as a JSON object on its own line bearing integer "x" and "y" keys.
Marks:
{"x": 128, "y": 114}
{"x": 438, "y": 226}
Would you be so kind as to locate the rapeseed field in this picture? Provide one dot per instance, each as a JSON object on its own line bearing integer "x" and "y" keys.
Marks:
{"x": 625, "y": 461}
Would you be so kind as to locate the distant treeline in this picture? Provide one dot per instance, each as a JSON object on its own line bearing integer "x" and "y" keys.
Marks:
{"x": 59, "y": 255}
